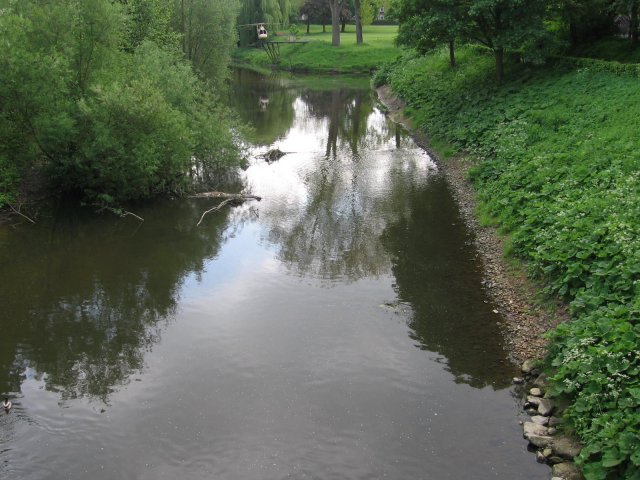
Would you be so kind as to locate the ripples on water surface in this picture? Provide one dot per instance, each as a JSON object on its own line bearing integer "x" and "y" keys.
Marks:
{"x": 335, "y": 330}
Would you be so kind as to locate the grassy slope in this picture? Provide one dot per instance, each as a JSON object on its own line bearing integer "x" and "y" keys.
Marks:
{"x": 558, "y": 165}
{"x": 319, "y": 56}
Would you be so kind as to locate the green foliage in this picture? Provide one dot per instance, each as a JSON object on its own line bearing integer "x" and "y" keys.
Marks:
{"x": 618, "y": 49}
{"x": 558, "y": 165}
{"x": 98, "y": 95}
{"x": 208, "y": 35}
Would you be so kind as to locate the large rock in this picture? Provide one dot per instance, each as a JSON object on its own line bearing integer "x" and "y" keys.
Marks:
{"x": 566, "y": 447}
{"x": 566, "y": 471}
{"x": 533, "y": 400}
{"x": 541, "y": 381}
{"x": 545, "y": 407}
{"x": 540, "y": 420}
{"x": 538, "y": 435}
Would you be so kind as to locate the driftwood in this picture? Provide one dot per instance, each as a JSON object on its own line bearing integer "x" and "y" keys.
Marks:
{"x": 273, "y": 155}
{"x": 230, "y": 198}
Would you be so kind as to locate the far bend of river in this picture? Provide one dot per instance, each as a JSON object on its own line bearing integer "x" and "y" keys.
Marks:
{"x": 335, "y": 330}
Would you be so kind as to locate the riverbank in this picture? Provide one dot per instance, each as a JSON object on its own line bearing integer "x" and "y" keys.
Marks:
{"x": 555, "y": 166}
{"x": 525, "y": 321}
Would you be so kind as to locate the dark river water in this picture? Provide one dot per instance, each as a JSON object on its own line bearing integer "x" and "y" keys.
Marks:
{"x": 335, "y": 330}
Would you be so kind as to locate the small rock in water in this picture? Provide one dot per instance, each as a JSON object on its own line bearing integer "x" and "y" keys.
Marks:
{"x": 517, "y": 381}
{"x": 540, "y": 458}
{"x": 536, "y": 392}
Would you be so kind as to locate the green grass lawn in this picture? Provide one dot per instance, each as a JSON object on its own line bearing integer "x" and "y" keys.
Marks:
{"x": 317, "y": 55}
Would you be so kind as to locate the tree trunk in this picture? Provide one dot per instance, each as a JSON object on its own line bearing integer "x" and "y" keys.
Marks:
{"x": 499, "y": 53}
{"x": 335, "y": 5}
{"x": 633, "y": 23}
{"x": 452, "y": 53}
{"x": 359, "y": 39}
{"x": 308, "y": 23}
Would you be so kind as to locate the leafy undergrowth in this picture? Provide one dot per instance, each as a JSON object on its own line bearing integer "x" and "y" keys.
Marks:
{"x": 317, "y": 55}
{"x": 558, "y": 164}
{"x": 617, "y": 49}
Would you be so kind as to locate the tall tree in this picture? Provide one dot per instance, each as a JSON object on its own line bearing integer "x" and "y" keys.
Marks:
{"x": 335, "y": 6}
{"x": 317, "y": 11}
{"x": 502, "y": 25}
{"x": 425, "y": 24}
{"x": 357, "y": 6}
{"x": 208, "y": 34}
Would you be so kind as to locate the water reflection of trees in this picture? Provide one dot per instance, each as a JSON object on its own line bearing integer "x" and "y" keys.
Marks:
{"x": 335, "y": 234}
{"x": 436, "y": 274}
{"x": 264, "y": 103}
{"x": 83, "y": 300}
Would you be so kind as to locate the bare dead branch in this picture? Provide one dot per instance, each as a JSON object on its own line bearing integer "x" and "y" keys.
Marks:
{"x": 125, "y": 213}
{"x": 218, "y": 207}
{"x": 233, "y": 196}
{"x": 20, "y": 213}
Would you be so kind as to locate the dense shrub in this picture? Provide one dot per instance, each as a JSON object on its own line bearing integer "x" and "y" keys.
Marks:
{"x": 100, "y": 96}
{"x": 558, "y": 165}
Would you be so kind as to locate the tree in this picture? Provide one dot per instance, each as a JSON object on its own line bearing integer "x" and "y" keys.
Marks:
{"x": 316, "y": 10}
{"x": 358, "y": 17}
{"x": 335, "y": 6}
{"x": 93, "y": 99}
{"x": 275, "y": 13}
{"x": 502, "y": 25}
{"x": 425, "y": 24}
{"x": 208, "y": 34}
{"x": 586, "y": 20}
{"x": 630, "y": 10}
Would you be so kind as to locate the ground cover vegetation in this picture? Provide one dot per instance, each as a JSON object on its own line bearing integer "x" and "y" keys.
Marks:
{"x": 116, "y": 100}
{"x": 557, "y": 166}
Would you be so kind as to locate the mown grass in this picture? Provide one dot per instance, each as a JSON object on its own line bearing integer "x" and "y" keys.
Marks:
{"x": 317, "y": 55}
{"x": 558, "y": 165}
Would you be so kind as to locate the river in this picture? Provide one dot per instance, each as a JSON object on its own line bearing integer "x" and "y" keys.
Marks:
{"x": 337, "y": 329}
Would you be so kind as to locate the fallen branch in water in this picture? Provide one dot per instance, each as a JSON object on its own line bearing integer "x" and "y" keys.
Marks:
{"x": 118, "y": 211}
{"x": 18, "y": 212}
{"x": 125, "y": 213}
{"x": 231, "y": 198}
